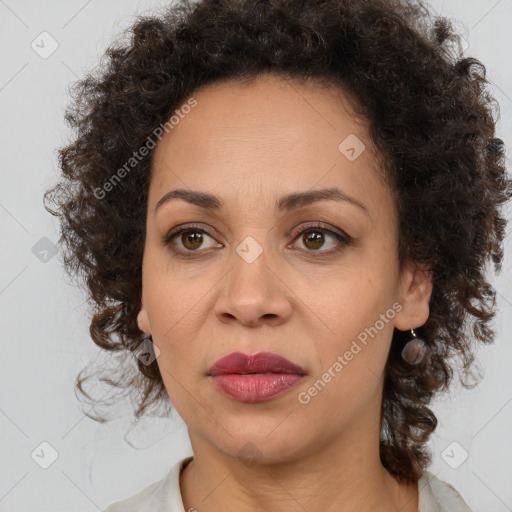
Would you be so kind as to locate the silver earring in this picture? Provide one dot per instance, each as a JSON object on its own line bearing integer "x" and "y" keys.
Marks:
{"x": 414, "y": 350}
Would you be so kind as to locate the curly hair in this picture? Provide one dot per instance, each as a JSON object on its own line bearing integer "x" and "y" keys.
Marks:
{"x": 429, "y": 113}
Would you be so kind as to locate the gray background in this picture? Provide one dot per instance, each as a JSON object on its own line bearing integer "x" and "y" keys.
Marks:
{"x": 45, "y": 329}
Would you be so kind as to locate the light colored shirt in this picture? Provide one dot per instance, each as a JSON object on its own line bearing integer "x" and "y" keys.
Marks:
{"x": 434, "y": 495}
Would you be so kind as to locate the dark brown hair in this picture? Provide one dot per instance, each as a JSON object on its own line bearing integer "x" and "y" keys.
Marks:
{"x": 430, "y": 116}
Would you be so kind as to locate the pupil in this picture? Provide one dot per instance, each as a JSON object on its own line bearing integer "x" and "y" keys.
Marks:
{"x": 316, "y": 239}
{"x": 195, "y": 238}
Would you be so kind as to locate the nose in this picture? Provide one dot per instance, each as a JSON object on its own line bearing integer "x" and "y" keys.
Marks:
{"x": 253, "y": 293}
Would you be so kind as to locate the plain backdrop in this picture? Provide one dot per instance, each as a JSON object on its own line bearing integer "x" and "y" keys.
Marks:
{"x": 45, "y": 338}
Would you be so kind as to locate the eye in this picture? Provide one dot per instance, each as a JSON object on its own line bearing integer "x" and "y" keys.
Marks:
{"x": 314, "y": 237}
{"x": 188, "y": 239}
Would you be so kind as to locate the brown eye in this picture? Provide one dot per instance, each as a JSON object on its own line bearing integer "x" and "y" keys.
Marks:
{"x": 188, "y": 239}
{"x": 191, "y": 240}
{"x": 314, "y": 238}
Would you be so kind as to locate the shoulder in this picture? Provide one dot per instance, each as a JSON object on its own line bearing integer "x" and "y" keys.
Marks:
{"x": 436, "y": 495}
{"x": 161, "y": 496}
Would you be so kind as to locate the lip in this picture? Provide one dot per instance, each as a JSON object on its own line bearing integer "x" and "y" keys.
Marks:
{"x": 263, "y": 362}
{"x": 254, "y": 378}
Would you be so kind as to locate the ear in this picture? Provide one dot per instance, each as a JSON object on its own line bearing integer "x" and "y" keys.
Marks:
{"x": 415, "y": 291}
{"x": 143, "y": 320}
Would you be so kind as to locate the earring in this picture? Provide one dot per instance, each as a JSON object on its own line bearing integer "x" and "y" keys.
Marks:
{"x": 414, "y": 350}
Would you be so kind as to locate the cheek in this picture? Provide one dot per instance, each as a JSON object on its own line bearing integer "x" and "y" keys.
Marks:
{"x": 176, "y": 310}
{"x": 351, "y": 372}
{"x": 175, "y": 300}
{"x": 353, "y": 301}
{"x": 360, "y": 315}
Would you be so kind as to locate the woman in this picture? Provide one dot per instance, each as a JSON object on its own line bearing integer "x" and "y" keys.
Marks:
{"x": 284, "y": 209}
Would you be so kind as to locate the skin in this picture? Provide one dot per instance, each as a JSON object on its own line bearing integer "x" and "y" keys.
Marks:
{"x": 250, "y": 144}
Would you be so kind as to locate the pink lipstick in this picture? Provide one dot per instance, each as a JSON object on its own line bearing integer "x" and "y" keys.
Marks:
{"x": 254, "y": 378}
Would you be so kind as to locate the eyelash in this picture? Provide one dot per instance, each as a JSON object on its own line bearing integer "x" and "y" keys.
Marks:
{"x": 343, "y": 240}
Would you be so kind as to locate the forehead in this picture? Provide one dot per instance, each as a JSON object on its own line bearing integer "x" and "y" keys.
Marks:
{"x": 249, "y": 138}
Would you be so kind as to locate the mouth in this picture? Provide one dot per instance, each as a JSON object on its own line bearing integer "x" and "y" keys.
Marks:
{"x": 255, "y": 378}
{"x": 263, "y": 362}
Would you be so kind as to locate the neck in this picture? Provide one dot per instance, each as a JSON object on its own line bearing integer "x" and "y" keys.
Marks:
{"x": 343, "y": 474}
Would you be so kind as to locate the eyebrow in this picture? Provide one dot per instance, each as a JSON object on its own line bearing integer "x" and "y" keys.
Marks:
{"x": 285, "y": 203}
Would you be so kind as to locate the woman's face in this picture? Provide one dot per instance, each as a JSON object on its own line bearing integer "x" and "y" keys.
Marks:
{"x": 256, "y": 273}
